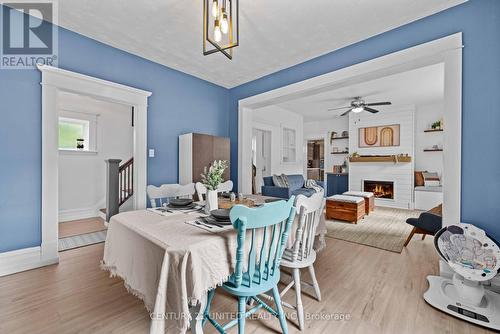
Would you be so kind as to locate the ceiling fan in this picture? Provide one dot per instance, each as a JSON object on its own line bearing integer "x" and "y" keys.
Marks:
{"x": 358, "y": 105}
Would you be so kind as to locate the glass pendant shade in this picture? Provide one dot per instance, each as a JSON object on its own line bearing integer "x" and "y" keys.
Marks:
{"x": 224, "y": 25}
{"x": 215, "y": 8}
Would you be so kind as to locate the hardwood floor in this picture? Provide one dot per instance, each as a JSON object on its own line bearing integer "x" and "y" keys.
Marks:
{"x": 81, "y": 226}
{"x": 380, "y": 291}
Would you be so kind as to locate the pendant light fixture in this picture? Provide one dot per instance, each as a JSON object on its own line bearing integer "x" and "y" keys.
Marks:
{"x": 220, "y": 26}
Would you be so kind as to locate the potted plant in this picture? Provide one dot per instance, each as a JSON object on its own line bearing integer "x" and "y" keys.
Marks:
{"x": 436, "y": 125}
{"x": 211, "y": 179}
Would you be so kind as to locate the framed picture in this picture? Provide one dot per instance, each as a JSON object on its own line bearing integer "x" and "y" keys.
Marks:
{"x": 379, "y": 136}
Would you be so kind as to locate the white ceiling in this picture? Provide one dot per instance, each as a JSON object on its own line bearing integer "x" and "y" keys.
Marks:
{"x": 273, "y": 34}
{"x": 423, "y": 85}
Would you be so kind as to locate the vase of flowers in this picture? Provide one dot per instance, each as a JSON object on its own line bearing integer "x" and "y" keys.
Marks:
{"x": 211, "y": 179}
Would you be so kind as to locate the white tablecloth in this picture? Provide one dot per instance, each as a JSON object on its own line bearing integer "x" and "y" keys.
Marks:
{"x": 168, "y": 263}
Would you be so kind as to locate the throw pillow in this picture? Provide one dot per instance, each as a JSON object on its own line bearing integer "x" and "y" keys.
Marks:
{"x": 419, "y": 179}
{"x": 431, "y": 179}
{"x": 430, "y": 176}
{"x": 285, "y": 180}
{"x": 278, "y": 181}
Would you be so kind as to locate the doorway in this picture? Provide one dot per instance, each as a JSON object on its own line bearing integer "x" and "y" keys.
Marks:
{"x": 446, "y": 51}
{"x": 91, "y": 131}
{"x": 316, "y": 159}
{"x": 54, "y": 81}
{"x": 261, "y": 157}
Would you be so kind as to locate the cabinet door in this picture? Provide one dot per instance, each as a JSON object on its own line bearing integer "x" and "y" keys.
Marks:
{"x": 337, "y": 184}
{"x": 342, "y": 184}
{"x": 330, "y": 185}
{"x": 203, "y": 146}
{"x": 222, "y": 151}
{"x": 206, "y": 149}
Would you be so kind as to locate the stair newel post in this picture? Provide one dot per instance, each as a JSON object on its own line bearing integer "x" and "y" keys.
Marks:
{"x": 112, "y": 187}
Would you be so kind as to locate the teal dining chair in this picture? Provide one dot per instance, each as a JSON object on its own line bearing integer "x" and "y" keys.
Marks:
{"x": 261, "y": 239}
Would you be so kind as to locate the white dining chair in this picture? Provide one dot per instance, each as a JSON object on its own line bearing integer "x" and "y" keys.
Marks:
{"x": 301, "y": 254}
{"x": 163, "y": 193}
{"x": 201, "y": 190}
{"x": 225, "y": 187}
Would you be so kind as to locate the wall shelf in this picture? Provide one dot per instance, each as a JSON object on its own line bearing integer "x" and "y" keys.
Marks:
{"x": 434, "y": 150}
{"x": 343, "y": 152}
{"x": 336, "y": 138}
{"x": 433, "y": 130}
{"x": 381, "y": 158}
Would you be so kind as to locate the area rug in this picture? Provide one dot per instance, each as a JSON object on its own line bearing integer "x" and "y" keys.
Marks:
{"x": 384, "y": 228}
{"x": 82, "y": 240}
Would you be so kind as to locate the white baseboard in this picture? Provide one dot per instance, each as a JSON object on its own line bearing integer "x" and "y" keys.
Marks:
{"x": 81, "y": 213}
{"x": 67, "y": 215}
{"x": 24, "y": 259}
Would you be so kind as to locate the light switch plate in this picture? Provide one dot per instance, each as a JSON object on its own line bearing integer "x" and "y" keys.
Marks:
{"x": 151, "y": 153}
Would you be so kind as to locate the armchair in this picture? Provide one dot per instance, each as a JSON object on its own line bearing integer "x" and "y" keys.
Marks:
{"x": 428, "y": 222}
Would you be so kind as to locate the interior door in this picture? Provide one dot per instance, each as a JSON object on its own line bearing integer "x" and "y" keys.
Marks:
{"x": 262, "y": 156}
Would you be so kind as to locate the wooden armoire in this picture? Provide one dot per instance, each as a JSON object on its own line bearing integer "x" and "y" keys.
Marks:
{"x": 198, "y": 150}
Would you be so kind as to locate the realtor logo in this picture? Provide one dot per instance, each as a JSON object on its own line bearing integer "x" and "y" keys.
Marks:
{"x": 29, "y": 34}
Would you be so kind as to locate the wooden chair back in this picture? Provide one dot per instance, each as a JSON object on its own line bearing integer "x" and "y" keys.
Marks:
{"x": 268, "y": 227}
{"x": 310, "y": 210}
{"x": 161, "y": 195}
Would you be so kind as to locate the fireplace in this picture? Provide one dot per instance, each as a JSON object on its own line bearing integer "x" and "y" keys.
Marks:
{"x": 381, "y": 189}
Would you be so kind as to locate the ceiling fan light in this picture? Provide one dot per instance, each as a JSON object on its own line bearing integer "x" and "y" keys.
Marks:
{"x": 357, "y": 109}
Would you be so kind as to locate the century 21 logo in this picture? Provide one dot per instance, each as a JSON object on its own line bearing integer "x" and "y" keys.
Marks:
{"x": 26, "y": 28}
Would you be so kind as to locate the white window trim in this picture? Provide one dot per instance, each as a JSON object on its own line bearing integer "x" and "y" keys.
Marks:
{"x": 69, "y": 151}
{"x": 92, "y": 118}
{"x": 283, "y": 147}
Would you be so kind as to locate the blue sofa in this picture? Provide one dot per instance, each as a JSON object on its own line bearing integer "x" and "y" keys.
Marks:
{"x": 296, "y": 187}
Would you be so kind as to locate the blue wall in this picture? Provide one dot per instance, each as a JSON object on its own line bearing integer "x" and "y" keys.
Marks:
{"x": 479, "y": 20}
{"x": 180, "y": 103}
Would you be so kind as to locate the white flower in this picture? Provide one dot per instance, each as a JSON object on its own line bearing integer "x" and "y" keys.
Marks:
{"x": 212, "y": 176}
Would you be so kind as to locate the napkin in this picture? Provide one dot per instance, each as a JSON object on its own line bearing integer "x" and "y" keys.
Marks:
{"x": 164, "y": 212}
{"x": 209, "y": 227}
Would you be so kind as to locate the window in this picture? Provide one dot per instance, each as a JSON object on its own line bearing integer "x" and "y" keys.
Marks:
{"x": 72, "y": 132}
{"x": 77, "y": 132}
{"x": 289, "y": 146}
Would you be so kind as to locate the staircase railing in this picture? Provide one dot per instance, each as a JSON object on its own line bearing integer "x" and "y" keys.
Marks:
{"x": 119, "y": 185}
{"x": 126, "y": 181}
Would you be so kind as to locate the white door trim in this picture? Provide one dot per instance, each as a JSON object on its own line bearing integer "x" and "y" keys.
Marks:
{"x": 55, "y": 80}
{"x": 447, "y": 50}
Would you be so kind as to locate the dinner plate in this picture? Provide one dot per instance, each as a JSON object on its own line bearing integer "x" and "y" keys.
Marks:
{"x": 180, "y": 201}
{"x": 186, "y": 207}
{"x": 221, "y": 215}
{"x": 270, "y": 200}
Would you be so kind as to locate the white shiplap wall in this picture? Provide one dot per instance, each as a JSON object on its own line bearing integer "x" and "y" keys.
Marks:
{"x": 401, "y": 174}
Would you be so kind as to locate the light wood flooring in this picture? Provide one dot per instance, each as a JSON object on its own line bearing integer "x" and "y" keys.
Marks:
{"x": 81, "y": 226}
{"x": 380, "y": 290}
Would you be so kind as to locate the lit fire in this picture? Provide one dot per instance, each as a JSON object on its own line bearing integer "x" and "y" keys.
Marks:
{"x": 380, "y": 191}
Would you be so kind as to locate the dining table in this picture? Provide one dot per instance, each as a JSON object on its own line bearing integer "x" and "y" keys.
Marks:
{"x": 171, "y": 259}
